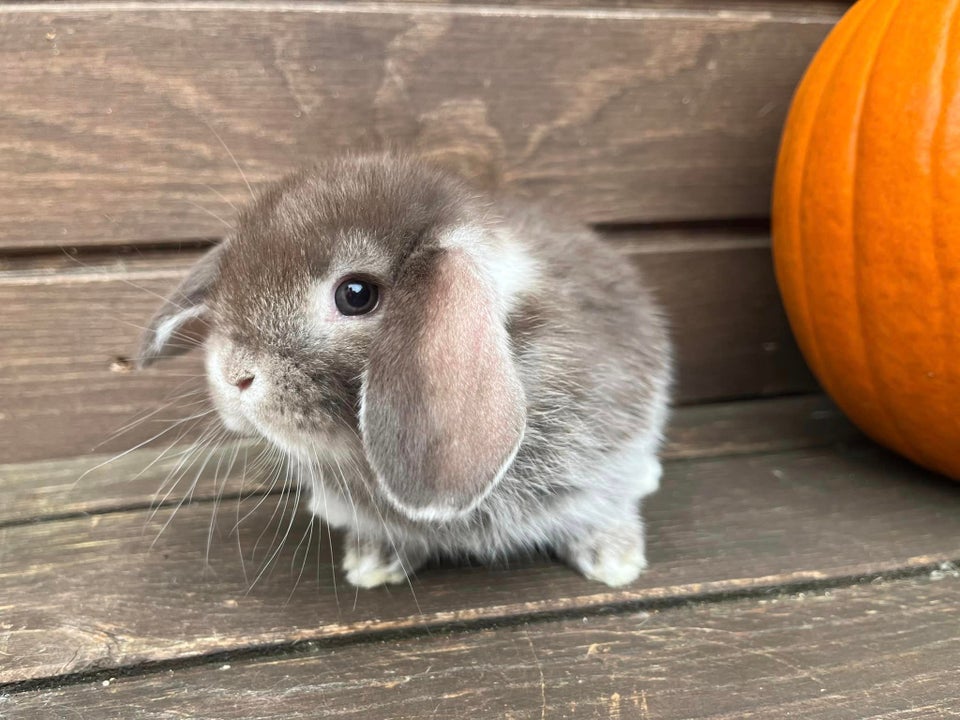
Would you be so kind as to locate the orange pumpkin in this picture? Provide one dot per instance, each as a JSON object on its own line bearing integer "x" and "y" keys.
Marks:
{"x": 867, "y": 223}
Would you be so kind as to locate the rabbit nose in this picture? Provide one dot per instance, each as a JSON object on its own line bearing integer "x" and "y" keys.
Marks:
{"x": 243, "y": 381}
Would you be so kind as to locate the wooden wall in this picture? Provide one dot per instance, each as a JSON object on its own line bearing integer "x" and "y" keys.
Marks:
{"x": 122, "y": 127}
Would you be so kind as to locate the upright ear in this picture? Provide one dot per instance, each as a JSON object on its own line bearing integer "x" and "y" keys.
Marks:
{"x": 443, "y": 411}
{"x": 181, "y": 322}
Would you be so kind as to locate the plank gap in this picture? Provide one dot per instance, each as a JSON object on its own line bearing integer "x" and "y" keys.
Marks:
{"x": 135, "y": 507}
{"x": 659, "y": 235}
{"x": 101, "y": 251}
{"x": 742, "y": 226}
{"x": 786, "y": 395}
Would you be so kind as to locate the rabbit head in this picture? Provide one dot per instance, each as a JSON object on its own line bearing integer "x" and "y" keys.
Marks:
{"x": 361, "y": 306}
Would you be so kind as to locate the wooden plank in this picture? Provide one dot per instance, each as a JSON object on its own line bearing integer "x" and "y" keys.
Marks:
{"x": 756, "y": 426}
{"x": 799, "y": 8}
{"x": 885, "y": 650}
{"x": 112, "y": 116}
{"x": 64, "y": 393}
{"x": 731, "y": 334}
{"x": 106, "y": 592}
{"x": 96, "y": 484}
{"x": 65, "y": 386}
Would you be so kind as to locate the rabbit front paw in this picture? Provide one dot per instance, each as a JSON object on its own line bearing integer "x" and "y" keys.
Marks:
{"x": 614, "y": 556}
{"x": 369, "y": 564}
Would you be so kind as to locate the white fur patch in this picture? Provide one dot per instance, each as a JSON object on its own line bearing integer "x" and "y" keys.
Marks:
{"x": 165, "y": 331}
{"x": 614, "y": 566}
{"x": 329, "y": 505}
{"x": 225, "y": 396}
{"x": 504, "y": 263}
{"x": 370, "y": 569}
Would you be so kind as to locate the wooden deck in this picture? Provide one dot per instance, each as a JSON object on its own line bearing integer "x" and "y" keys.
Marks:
{"x": 798, "y": 571}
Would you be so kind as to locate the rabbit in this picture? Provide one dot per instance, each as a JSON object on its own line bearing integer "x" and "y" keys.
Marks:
{"x": 450, "y": 374}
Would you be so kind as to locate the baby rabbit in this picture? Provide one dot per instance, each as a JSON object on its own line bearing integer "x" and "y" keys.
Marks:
{"x": 447, "y": 374}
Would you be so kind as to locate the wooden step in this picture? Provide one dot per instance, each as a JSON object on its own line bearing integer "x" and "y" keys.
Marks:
{"x": 887, "y": 649}
{"x": 140, "y": 478}
{"x": 110, "y": 588}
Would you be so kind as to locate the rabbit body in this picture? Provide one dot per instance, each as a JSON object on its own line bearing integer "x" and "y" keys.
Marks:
{"x": 507, "y": 392}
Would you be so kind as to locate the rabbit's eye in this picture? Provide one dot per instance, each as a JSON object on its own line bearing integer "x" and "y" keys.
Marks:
{"x": 356, "y": 297}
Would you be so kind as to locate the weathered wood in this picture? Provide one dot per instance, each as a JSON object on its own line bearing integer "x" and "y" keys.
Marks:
{"x": 100, "y": 592}
{"x": 885, "y": 650}
{"x": 757, "y": 426}
{"x": 111, "y": 116}
{"x": 63, "y": 391}
{"x": 732, "y": 337}
{"x": 65, "y": 386}
{"x": 801, "y": 9}
{"x": 101, "y": 483}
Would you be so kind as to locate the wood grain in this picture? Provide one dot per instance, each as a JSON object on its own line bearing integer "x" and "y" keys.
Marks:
{"x": 732, "y": 337}
{"x": 758, "y": 426}
{"x": 37, "y": 491}
{"x": 106, "y": 592}
{"x": 64, "y": 393}
{"x": 798, "y": 8}
{"x": 885, "y": 650}
{"x": 111, "y": 116}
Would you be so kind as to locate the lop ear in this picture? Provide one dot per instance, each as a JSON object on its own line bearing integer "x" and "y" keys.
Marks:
{"x": 443, "y": 411}
{"x": 181, "y": 322}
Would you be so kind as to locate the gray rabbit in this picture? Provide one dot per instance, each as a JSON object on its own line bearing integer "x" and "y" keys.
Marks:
{"x": 448, "y": 374}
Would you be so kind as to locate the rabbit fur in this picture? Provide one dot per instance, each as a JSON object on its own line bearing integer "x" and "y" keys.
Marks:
{"x": 508, "y": 392}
